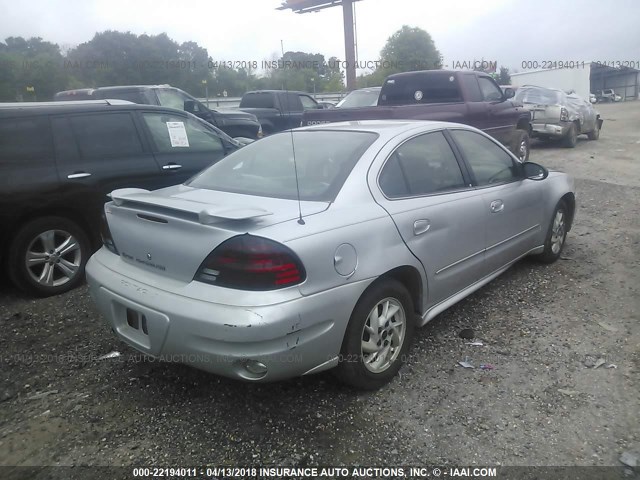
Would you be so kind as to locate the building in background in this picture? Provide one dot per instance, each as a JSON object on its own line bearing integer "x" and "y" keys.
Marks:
{"x": 591, "y": 78}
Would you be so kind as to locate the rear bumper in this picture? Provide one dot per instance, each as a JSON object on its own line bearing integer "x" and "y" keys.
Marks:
{"x": 554, "y": 130}
{"x": 296, "y": 337}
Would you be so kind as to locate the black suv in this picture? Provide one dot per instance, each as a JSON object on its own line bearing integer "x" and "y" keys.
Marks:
{"x": 60, "y": 160}
{"x": 233, "y": 123}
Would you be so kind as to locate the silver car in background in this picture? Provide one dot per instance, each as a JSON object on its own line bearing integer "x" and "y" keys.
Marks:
{"x": 322, "y": 247}
{"x": 559, "y": 116}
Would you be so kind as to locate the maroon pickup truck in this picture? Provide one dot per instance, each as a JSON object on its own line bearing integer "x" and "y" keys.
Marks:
{"x": 468, "y": 97}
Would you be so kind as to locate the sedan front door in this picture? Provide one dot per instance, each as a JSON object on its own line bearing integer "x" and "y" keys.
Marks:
{"x": 512, "y": 205}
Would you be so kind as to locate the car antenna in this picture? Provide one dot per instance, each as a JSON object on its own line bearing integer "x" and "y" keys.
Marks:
{"x": 293, "y": 146}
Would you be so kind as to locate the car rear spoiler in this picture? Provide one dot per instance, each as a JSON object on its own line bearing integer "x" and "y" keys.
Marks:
{"x": 207, "y": 214}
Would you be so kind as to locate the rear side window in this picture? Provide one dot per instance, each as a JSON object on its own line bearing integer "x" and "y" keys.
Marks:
{"x": 174, "y": 133}
{"x": 432, "y": 87}
{"x": 257, "y": 100}
{"x": 421, "y": 166}
{"x": 25, "y": 139}
{"x": 103, "y": 135}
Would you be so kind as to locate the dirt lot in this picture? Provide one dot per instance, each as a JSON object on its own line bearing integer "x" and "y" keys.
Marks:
{"x": 543, "y": 328}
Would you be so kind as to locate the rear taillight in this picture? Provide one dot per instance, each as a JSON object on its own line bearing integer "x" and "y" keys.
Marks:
{"x": 247, "y": 262}
{"x": 105, "y": 235}
{"x": 564, "y": 114}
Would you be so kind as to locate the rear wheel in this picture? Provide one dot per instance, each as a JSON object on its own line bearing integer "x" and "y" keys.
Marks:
{"x": 48, "y": 256}
{"x": 556, "y": 235}
{"x": 521, "y": 145}
{"x": 378, "y": 336}
{"x": 571, "y": 139}
{"x": 595, "y": 134}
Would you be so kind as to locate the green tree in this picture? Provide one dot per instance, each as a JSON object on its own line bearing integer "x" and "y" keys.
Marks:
{"x": 30, "y": 69}
{"x": 408, "y": 49}
{"x": 123, "y": 58}
{"x": 504, "y": 78}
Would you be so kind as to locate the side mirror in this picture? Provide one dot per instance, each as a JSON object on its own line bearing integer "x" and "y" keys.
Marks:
{"x": 190, "y": 106}
{"x": 509, "y": 93}
{"x": 533, "y": 171}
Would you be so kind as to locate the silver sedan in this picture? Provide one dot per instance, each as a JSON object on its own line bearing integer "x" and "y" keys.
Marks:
{"x": 322, "y": 248}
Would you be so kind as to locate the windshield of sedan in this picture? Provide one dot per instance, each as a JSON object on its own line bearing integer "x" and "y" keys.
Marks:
{"x": 323, "y": 160}
{"x": 360, "y": 98}
{"x": 539, "y": 96}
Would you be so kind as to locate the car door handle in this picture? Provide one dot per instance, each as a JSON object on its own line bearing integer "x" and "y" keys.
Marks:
{"x": 78, "y": 175}
{"x": 497, "y": 206}
{"x": 421, "y": 226}
{"x": 171, "y": 166}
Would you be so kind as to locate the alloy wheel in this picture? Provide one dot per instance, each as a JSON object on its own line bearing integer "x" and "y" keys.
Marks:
{"x": 53, "y": 258}
{"x": 383, "y": 335}
{"x": 557, "y": 232}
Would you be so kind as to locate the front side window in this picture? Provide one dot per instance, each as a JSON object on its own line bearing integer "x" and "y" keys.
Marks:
{"x": 171, "y": 98}
{"x": 103, "y": 135}
{"x": 360, "y": 98}
{"x": 171, "y": 133}
{"x": 489, "y": 163}
{"x": 490, "y": 91}
{"x": 308, "y": 103}
{"x": 323, "y": 160}
{"x": 421, "y": 166}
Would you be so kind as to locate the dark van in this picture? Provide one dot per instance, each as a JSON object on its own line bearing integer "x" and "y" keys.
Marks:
{"x": 234, "y": 123}
{"x": 59, "y": 161}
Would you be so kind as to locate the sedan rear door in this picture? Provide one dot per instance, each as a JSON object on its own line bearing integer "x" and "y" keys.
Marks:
{"x": 440, "y": 218}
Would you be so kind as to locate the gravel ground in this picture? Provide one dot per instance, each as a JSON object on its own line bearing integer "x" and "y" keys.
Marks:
{"x": 544, "y": 328}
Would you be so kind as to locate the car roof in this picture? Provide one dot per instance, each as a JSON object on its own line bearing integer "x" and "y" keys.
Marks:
{"x": 276, "y": 91}
{"x": 133, "y": 87}
{"x": 75, "y": 106}
{"x": 388, "y": 127}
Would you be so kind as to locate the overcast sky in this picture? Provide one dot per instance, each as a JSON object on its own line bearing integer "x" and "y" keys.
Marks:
{"x": 508, "y": 31}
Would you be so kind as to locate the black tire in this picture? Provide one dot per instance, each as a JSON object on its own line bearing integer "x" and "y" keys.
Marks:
{"x": 595, "y": 134}
{"x": 30, "y": 236}
{"x": 549, "y": 255}
{"x": 521, "y": 145}
{"x": 571, "y": 139}
{"x": 352, "y": 369}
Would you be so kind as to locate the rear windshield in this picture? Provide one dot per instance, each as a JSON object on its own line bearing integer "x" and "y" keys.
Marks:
{"x": 538, "y": 96}
{"x": 431, "y": 87}
{"x": 257, "y": 100}
{"x": 360, "y": 98}
{"x": 266, "y": 168}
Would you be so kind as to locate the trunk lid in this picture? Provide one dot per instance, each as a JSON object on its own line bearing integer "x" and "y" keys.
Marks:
{"x": 171, "y": 231}
{"x": 544, "y": 113}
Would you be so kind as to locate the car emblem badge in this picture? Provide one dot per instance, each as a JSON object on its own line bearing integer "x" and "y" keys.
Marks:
{"x": 148, "y": 256}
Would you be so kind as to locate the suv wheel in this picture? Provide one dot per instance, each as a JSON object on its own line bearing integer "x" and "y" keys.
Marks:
{"x": 521, "y": 145}
{"x": 48, "y": 256}
{"x": 571, "y": 139}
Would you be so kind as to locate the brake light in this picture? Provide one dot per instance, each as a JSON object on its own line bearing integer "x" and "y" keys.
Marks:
{"x": 105, "y": 235}
{"x": 564, "y": 114}
{"x": 247, "y": 262}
